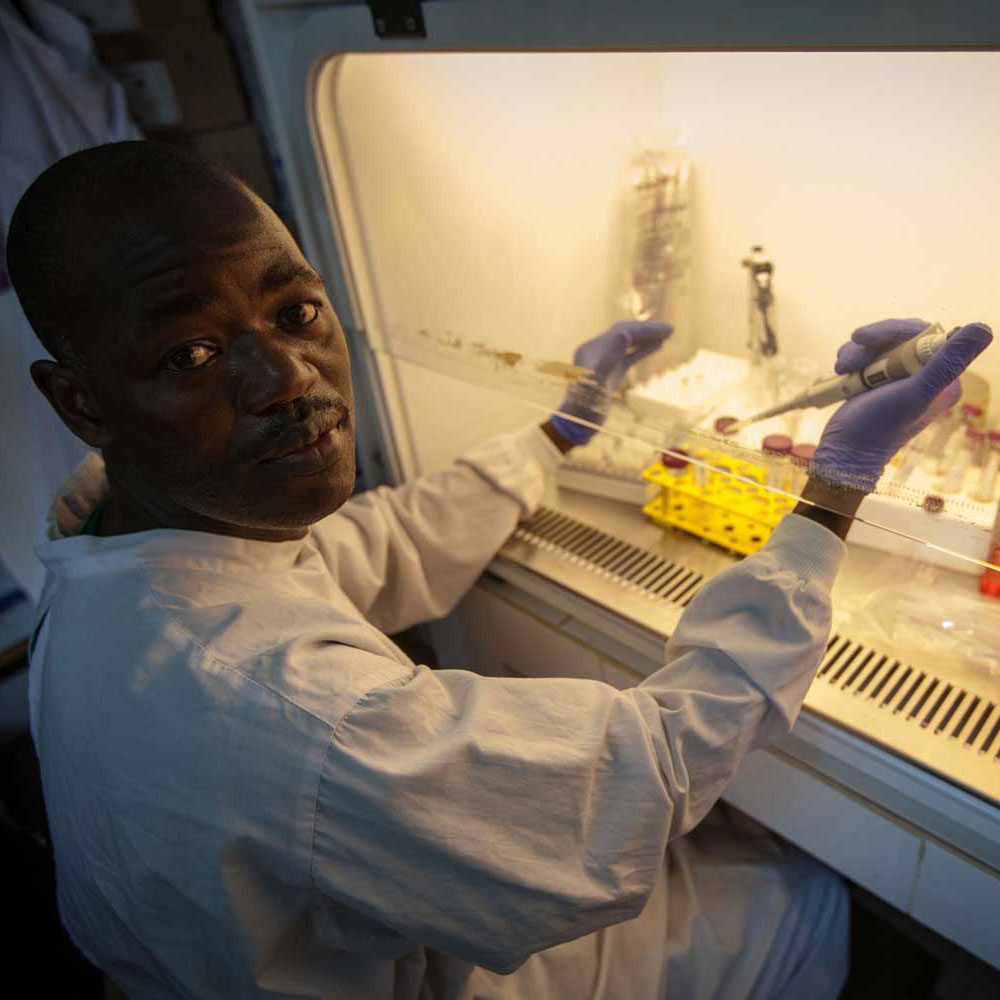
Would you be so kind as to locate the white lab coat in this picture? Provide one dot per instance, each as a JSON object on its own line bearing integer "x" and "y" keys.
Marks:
{"x": 252, "y": 791}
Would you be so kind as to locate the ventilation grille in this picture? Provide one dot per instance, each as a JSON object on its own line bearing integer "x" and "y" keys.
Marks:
{"x": 936, "y": 706}
{"x": 632, "y": 567}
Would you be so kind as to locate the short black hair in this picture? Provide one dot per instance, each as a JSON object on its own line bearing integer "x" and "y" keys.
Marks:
{"x": 80, "y": 195}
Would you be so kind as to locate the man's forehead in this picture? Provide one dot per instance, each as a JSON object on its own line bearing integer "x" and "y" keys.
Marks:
{"x": 198, "y": 239}
{"x": 254, "y": 264}
{"x": 190, "y": 281}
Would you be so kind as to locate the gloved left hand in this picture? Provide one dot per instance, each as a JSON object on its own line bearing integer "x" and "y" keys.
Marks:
{"x": 609, "y": 356}
{"x": 869, "y": 429}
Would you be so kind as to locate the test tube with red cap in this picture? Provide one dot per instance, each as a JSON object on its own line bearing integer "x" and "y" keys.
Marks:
{"x": 778, "y": 448}
{"x": 984, "y": 488}
{"x": 675, "y": 463}
{"x": 801, "y": 456}
{"x": 989, "y": 582}
{"x": 980, "y": 452}
{"x": 970, "y": 415}
{"x": 941, "y": 431}
{"x": 912, "y": 456}
{"x": 972, "y": 441}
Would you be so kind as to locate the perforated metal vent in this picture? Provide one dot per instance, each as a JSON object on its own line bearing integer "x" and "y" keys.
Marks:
{"x": 632, "y": 567}
{"x": 945, "y": 720}
{"x": 905, "y": 693}
{"x": 937, "y": 706}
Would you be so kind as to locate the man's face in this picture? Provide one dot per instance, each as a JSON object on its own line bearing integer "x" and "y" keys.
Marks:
{"x": 225, "y": 385}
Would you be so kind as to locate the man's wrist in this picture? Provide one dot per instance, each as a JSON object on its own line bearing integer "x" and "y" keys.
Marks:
{"x": 832, "y": 506}
{"x": 562, "y": 443}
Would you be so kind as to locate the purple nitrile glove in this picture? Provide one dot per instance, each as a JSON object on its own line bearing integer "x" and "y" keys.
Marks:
{"x": 609, "y": 356}
{"x": 869, "y": 429}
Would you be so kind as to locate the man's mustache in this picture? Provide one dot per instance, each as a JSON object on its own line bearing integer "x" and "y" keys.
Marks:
{"x": 300, "y": 411}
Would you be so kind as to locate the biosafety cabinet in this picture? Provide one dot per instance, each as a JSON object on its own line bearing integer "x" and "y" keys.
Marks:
{"x": 487, "y": 185}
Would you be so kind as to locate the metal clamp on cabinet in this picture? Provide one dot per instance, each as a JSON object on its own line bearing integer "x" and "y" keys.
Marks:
{"x": 398, "y": 18}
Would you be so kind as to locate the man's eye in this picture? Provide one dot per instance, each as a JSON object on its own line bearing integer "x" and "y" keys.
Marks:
{"x": 190, "y": 357}
{"x": 301, "y": 314}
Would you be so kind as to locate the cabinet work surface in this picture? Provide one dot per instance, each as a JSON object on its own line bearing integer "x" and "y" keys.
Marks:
{"x": 892, "y": 772}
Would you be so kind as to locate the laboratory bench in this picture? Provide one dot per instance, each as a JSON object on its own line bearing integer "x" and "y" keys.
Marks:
{"x": 891, "y": 775}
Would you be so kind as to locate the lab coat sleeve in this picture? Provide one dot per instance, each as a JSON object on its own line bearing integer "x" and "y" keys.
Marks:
{"x": 490, "y": 818}
{"x": 408, "y": 554}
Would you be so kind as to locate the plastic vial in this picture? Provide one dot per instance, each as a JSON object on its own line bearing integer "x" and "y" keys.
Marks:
{"x": 972, "y": 414}
{"x": 674, "y": 464}
{"x": 980, "y": 454}
{"x": 777, "y": 444}
{"x": 937, "y": 447}
{"x": 801, "y": 456}
{"x": 912, "y": 456}
{"x": 984, "y": 488}
{"x": 677, "y": 463}
{"x": 972, "y": 441}
{"x": 989, "y": 582}
{"x": 700, "y": 475}
{"x": 969, "y": 415}
{"x": 911, "y": 459}
{"x": 777, "y": 447}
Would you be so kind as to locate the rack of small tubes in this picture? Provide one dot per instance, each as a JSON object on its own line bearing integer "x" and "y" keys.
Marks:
{"x": 732, "y": 503}
{"x": 952, "y": 464}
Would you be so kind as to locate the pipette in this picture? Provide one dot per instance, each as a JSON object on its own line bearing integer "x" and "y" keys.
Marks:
{"x": 903, "y": 360}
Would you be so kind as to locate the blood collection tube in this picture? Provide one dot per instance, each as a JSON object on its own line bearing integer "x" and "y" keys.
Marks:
{"x": 980, "y": 450}
{"x": 984, "y": 488}
{"x": 912, "y": 456}
{"x": 802, "y": 456}
{"x": 776, "y": 444}
{"x": 989, "y": 582}
{"x": 777, "y": 447}
{"x": 972, "y": 441}
{"x": 674, "y": 463}
{"x": 972, "y": 414}
{"x": 677, "y": 463}
{"x": 937, "y": 447}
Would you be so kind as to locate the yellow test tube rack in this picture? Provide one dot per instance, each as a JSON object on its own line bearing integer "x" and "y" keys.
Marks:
{"x": 726, "y": 503}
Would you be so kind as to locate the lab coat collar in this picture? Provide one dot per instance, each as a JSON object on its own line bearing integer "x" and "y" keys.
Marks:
{"x": 71, "y": 553}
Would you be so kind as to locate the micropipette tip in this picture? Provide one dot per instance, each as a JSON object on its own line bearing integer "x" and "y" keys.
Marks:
{"x": 773, "y": 411}
{"x": 756, "y": 418}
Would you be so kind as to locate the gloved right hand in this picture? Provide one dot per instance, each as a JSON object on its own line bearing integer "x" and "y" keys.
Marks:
{"x": 869, "y": 429}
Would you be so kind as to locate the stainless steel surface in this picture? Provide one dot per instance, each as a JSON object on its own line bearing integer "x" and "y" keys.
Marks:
{"x": 596, "y": 572}
{"x": 943, "y": 716}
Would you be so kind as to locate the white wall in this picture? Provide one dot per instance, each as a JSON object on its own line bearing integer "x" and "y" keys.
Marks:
{"x": 490, "y": 190}
{"x": 870, "y": 177}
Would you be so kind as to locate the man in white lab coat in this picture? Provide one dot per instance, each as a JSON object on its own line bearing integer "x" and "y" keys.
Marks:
{"x": 251, "y": 790}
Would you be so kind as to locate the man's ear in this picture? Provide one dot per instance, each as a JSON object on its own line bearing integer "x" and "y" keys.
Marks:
{"x": 72, "y": 400}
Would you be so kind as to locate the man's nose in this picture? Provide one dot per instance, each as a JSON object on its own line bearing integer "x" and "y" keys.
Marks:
{"x": 275, "y": 373}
